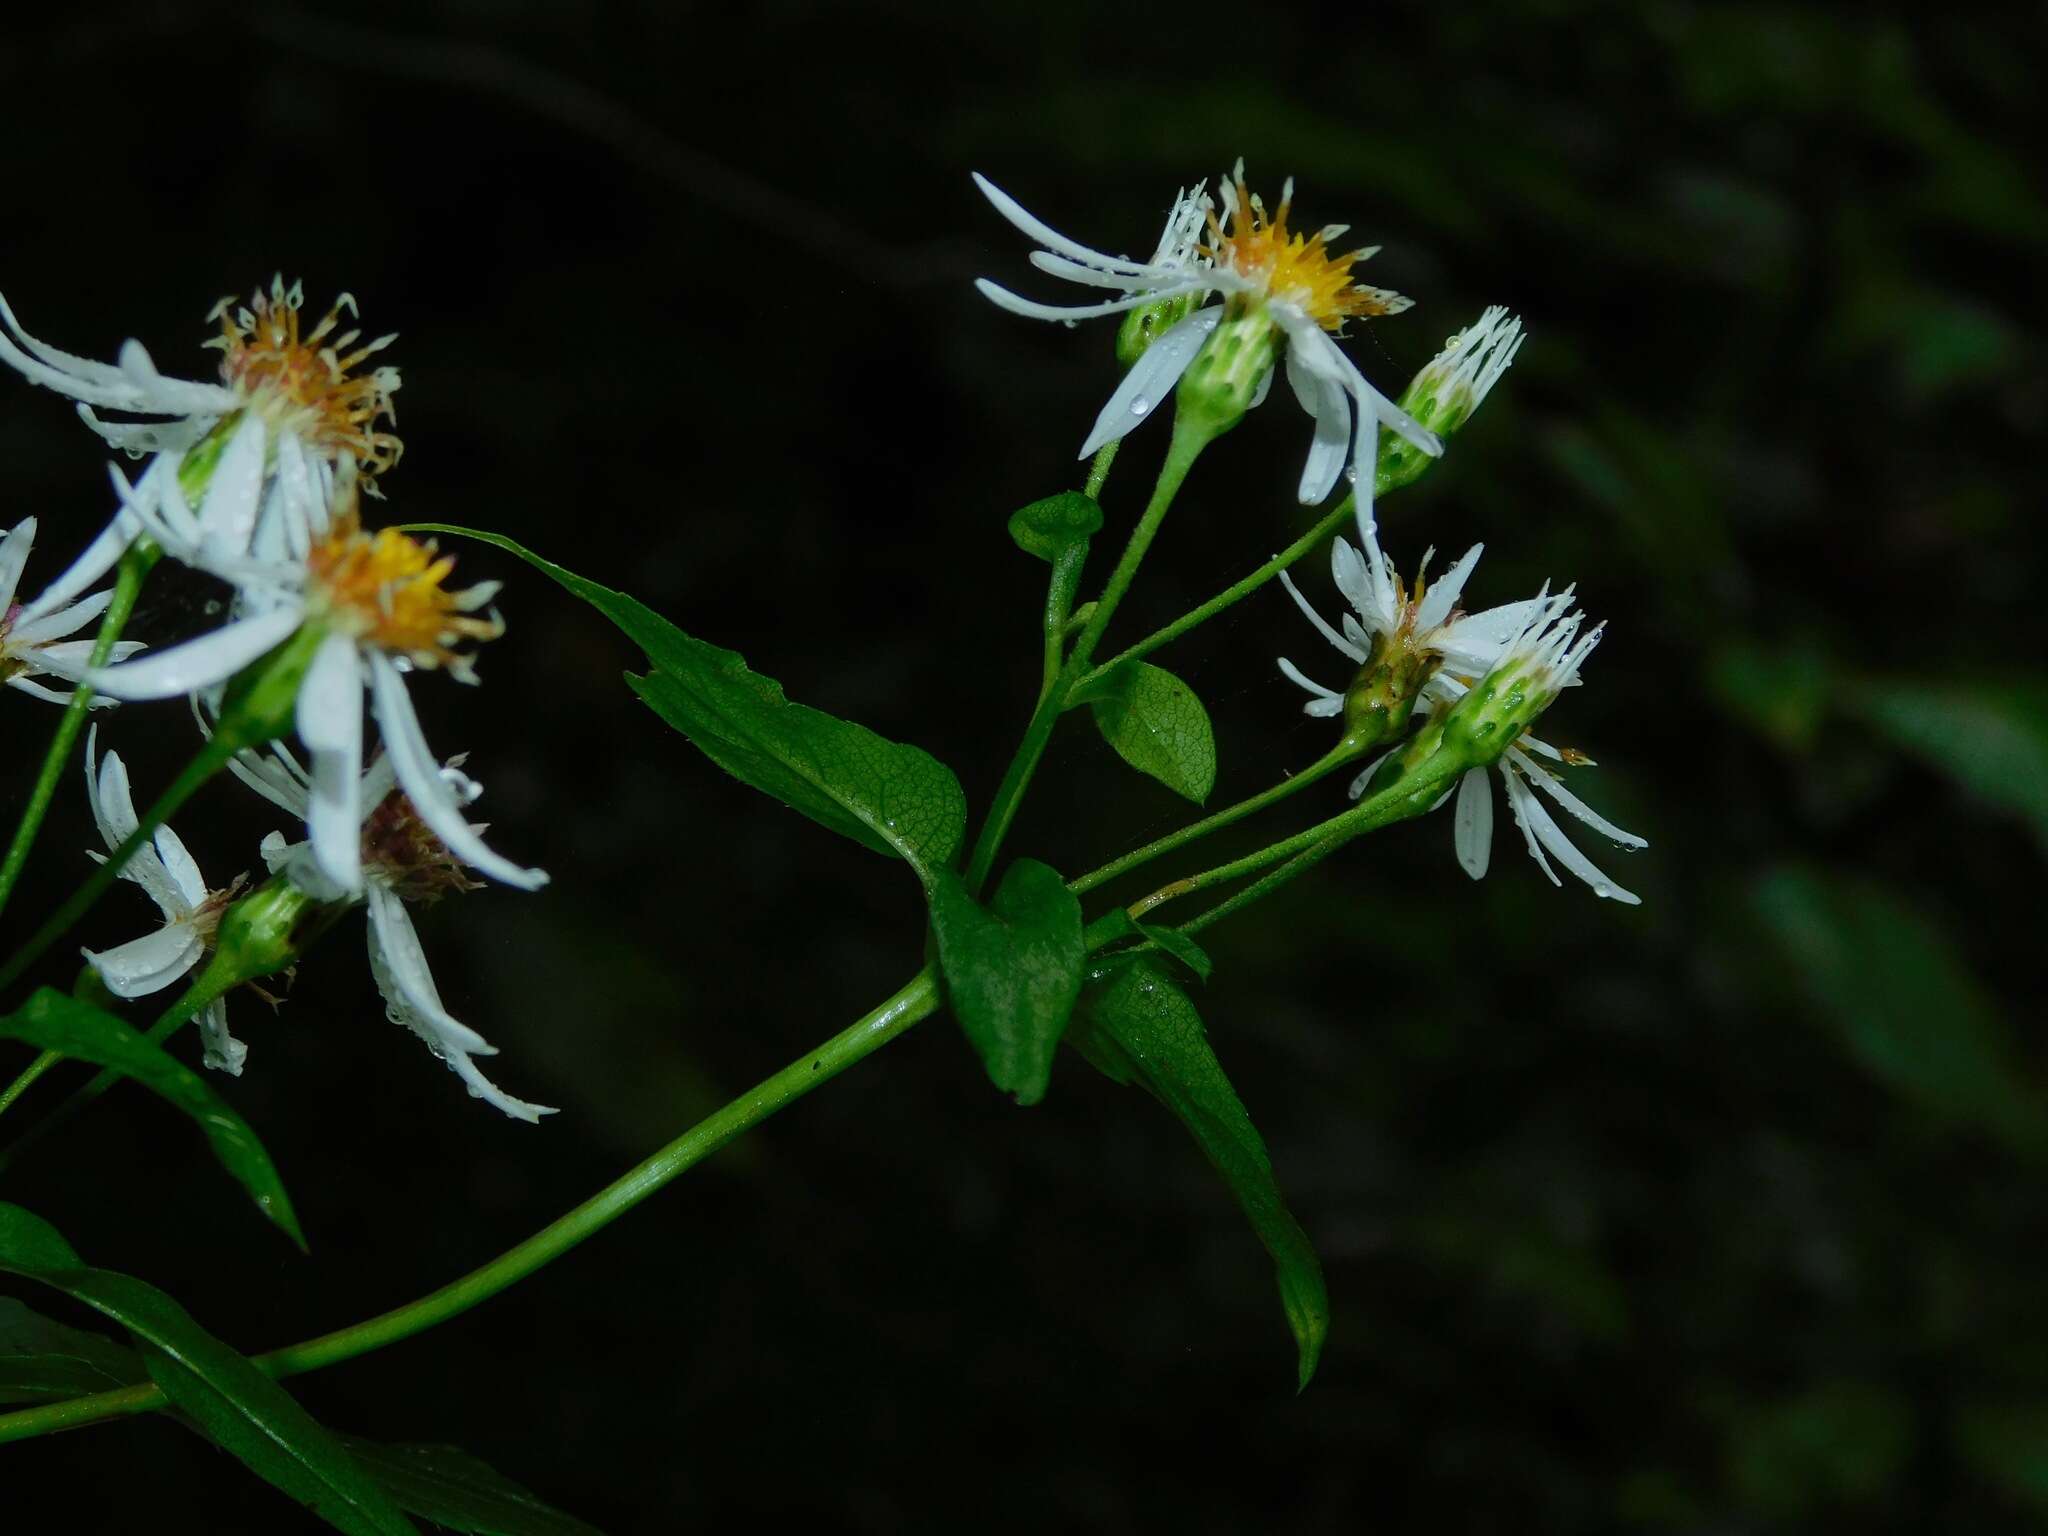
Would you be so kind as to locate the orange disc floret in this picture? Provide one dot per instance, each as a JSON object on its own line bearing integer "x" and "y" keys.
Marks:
{"x": 386, "y": 588}
{"x": 308, "y": 384}
{"x": 1297, "y": 269}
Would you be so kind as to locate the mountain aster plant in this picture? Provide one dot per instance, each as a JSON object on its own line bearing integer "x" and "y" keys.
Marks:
{"x": 257, "y": 480}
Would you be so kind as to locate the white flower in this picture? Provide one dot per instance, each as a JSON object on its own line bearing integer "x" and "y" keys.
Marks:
{"x": 32, "y": 642}
{"x": 165, "y": 869}
{"x": 1423, "y": 619}
{"x": 304, "y": 387}
{"x": 1535, "y": 664}
{"x": 1259, "y": 268}
{"x": 1454, "y": 385}
{"x": 1534, "y": 643}
{"x": 379, "y": 605}
{"x": 290, "y": 417}
{"x": 403, "y": 861}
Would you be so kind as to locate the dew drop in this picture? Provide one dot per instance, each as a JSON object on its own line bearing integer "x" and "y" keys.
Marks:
{"x": 1351, "y": 474}
{"x": 1140, "y": 406}
{"x": 1603, "y": 889}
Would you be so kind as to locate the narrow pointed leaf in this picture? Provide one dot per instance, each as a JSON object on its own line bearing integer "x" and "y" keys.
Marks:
{"x": 1158, "y": 726}
{"x": 1013, "y": 970}
{"x": 1048, "y": 527}
{"x": 233, "y": 1403}
{"x": 893, "y": 798}
{"x": 454, "y": 1489}
{"x": 1136, "y": 1026}
{"x": 45, "y": 1362}
{"x": 51, "y": 1021}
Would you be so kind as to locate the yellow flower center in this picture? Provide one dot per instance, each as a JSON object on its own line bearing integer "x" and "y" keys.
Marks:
{"x": 308, "y": 384}
{"x": 1296, "y": 269}
{"x": 386, "y": 589}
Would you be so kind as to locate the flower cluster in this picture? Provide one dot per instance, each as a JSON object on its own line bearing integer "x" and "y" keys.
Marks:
{"x": 1469, "y": 684}
{"x": 257, "y": 480}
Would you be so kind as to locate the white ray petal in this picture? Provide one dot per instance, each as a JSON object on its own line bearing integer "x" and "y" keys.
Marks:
{"x": 14, "y": 552}
{"x": 1002, "y": 298}
{"x": 1472, "y": 823}
{"x": 212, "y": 658}
{"x": 1443, "y": 593}
{"x": 52, "y": 626}
{"x": 179, "y": 864}
{"x": 227, "y": 518}
{"x": 1295, "y": 675}
{"x": 420, "y": 776}
{"x": 221, "y": 1051}
{"x": 1046, "y": 235}
{"x": 402, "y": 976}
{"x": 398, "y": 942}
{"x": 1094, "y": 277}
{"x": 1521, "y": 800}
{"x": 330, "y": 721}
{"x": 1316, "y": 619}
{"x": 1552, "y": 837}
{"x": 1553, "y": 786}
{"x": 148, "y": 964}
{"x": 1151, "y": 378}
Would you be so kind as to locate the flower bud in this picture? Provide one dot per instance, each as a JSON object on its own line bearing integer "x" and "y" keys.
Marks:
{"x": 266, "y": 931}
{"x": 1382, "y": 696}
{"x": 1230, "y": 373}
{"x": 1444, "y": 394}
{"x": 1146, "y": 325}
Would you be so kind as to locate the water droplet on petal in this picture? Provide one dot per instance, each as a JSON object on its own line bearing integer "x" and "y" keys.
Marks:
{"x": 1351, "y": 473}
{"x": 1140, "y": 406}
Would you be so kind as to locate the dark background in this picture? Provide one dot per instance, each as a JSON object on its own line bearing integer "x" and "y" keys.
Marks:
{"x": 1721, "y": 1214}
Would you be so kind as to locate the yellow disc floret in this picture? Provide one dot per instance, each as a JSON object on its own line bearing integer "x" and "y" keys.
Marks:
{"x": 1295, "y": 269}
{"x": 386, "y": 588}
{"x": 308, "y": 384}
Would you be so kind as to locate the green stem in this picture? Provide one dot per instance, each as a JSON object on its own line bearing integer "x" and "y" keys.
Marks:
{"x": 128, "y": 578}
{"x": 1098, "y": 468}
{"x": 1301, "y": 863}
{"x": 1344, "y": 752}
{"x": 1234, "y": 593}
{"x": 1409, "y": 796}
{"x": 1188, "y": 443}
{"x": 917, "y": 999}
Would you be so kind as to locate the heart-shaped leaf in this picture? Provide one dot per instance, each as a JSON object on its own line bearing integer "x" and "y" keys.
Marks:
{"x": 1013, "y": 970}
{"x": 1048, "y": 527}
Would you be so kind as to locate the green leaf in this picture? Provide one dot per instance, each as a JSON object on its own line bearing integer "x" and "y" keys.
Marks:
{"x": 1158, "y": 726}
{"x": 1013, "y": 970}
{"x": 1903, "y": 998}
{"x": 1045, "y": 528}
{"x": 46, "y": 1362}
{"x": 892, "y": 798}
{"x": 1991, "y": 739}
{"x": 452, "y": 1488}
{"x": 235, "y": 1404}
{"x": 51, "y": 1021}
{"x": 1137, "y": 1026}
